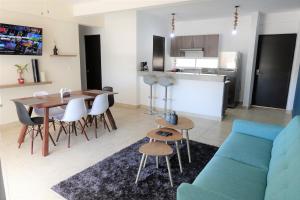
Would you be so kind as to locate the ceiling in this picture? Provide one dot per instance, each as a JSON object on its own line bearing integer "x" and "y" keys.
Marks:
{"x": 184, "y": 9}
{"x": 87, "y": 7}
{"x": 205, "y": 9}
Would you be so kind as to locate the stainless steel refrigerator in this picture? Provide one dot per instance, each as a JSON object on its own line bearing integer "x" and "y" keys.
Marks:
{"x": 230, "y": 65}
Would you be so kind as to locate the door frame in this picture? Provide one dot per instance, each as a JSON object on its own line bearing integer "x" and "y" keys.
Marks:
{"x": 250, "y": 71}
{"x": 255, "y": 77}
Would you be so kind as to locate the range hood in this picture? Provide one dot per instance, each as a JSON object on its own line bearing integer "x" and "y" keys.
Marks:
{"x": 193, "y": 53}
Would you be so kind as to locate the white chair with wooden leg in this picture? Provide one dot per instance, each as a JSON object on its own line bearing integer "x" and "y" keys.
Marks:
{"x": 56, "y": 111}
{"x": 100, "y": 106}
{"x": 75, "y": 111}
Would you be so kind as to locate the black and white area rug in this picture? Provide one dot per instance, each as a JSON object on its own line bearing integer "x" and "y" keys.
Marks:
{"x": 114, "y": 177}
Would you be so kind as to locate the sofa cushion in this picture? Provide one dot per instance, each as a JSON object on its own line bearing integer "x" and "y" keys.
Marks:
{"x": 261, "y": 130}
{"x": 283, "y": 175}
{"x": 233, "y": 179}
{"x": 247, "y": 149}
{"x": 192, "y": 192}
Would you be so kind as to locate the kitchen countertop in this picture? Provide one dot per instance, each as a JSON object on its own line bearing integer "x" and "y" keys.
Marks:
{"x": 187, "y": 76}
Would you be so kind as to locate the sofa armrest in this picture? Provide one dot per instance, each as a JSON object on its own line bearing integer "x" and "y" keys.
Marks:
{"x": 262, "y": 130}
{"x": 192, "y": 192}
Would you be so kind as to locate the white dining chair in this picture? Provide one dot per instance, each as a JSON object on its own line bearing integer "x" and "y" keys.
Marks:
{"x": 99, "y": 107}
{"x": 75, "y": 111}
{"x": 52, "y": 111}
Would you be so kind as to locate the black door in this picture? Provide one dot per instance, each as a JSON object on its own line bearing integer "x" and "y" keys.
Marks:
{"x": 93, "y": 61}
{"x": 158, "y": 61}
{"x": 274, "y": 63}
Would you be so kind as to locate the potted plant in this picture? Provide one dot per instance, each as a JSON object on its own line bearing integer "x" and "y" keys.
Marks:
{"x": 20, "y": 70}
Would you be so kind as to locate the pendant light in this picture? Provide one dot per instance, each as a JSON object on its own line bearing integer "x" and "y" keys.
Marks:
{"x": 172, "y": 34}
{"x": 235, "y": 22}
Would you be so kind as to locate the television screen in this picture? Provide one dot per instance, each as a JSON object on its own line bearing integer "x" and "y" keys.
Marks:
{"x": 20, "y": 40}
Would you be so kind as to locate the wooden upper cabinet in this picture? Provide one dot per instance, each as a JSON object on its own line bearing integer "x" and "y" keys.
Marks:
{"x": 179, "y": 43}
{"x": 198, "y": 41}
{"x": 211, "y": 45}
{"x": 186, "y": 42}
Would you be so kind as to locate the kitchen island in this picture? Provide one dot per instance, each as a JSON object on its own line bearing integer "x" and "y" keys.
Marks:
{"x": 192, "y": 94}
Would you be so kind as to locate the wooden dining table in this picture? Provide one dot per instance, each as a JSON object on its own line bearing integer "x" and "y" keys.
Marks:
{"x": 54, "y": 100}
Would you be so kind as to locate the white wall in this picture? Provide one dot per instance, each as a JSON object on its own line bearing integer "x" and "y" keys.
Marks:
{"x": 227, "y": 42}
{"x": 86, "y": 30}
{"x": 62, "y": 71}
{"x": 119, "y": 55}
{"x": 251, "y": 60}
{"x": 147, "y": 26}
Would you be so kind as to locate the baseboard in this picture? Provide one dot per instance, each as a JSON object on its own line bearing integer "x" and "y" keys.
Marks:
{"x": 123, "y": 105}
{"x": 288, "y": 112}
{"x": 9, "y": 125}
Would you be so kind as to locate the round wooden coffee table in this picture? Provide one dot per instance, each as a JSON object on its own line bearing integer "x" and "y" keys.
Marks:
{"x": 175, "y": 137}
{"x": 155, "y": 149}
{"x": 184, "y": 125}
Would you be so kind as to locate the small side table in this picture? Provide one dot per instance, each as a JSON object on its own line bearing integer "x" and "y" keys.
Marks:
{"x": 155, "y": 149}
{"x": 176, "y": 136}
{"x": 184, "y": 125}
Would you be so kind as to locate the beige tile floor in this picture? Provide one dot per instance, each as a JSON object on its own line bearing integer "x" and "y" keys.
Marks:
{"x": 30, "y": 177}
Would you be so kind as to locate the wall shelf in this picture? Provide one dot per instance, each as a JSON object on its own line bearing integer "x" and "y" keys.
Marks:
{"x": 63, "y": 55}
{"x": 15, "y": 85}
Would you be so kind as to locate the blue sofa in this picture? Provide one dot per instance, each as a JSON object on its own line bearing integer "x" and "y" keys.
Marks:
{"x": 257, "y": 161}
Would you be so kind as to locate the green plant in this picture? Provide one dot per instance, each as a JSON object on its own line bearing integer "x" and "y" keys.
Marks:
{"x": 21, "y": 68}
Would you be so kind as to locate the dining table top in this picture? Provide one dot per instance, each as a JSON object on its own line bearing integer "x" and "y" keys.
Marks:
{"x": 54, "y": 100}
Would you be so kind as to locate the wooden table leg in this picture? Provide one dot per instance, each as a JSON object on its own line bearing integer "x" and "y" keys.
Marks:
{"x": 45, "y": 148}
{"x": 22, "y": 135}
{"x": 24, "y": 130}
{"x": 111, "y": 119}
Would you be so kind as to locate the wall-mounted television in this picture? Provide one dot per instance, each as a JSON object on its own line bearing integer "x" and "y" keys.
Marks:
{"x": 20, "y": 40}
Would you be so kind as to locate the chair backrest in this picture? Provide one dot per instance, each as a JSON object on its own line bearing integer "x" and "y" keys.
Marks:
{"x": 75, "y": 110}
{"x": 111, "y": 99}
{"x": 23, "y": 114}
{"x": 39, "y": 111}
{"x": 40, "y": 93}
{"x": 100, "y": 104}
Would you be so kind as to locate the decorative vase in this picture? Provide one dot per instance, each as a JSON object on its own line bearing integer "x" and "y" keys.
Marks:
{"x": 55, "y": 50}
{"x": 172, "y": 118}
{"x": 21, "y": 79}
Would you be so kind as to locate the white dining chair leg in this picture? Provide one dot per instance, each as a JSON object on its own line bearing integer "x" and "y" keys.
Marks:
{"x": 83, "y": 131}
